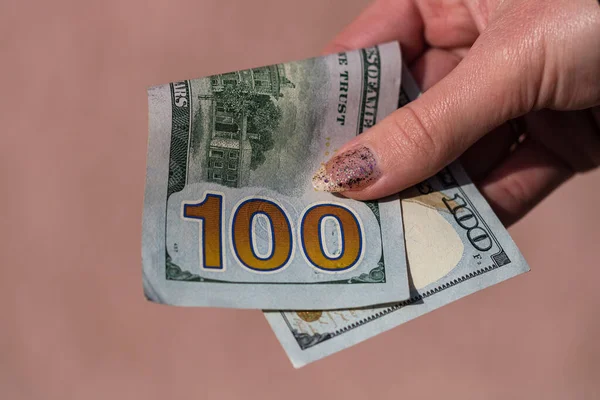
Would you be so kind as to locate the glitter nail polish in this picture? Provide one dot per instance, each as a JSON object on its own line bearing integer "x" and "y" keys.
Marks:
{"x": 351, "y": 170}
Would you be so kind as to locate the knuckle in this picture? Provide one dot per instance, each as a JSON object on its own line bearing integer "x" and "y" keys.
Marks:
{"x": 410, "y": 137}
{"x": 516, "y": 194}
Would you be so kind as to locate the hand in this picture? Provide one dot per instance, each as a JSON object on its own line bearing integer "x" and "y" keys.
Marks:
{"x": 481, "y": 63}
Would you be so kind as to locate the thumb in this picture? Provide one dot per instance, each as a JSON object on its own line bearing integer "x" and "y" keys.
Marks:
{"x": 487, "y": 88}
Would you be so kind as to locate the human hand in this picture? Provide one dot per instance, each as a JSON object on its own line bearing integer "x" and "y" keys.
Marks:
{"x": 481, "y": 63}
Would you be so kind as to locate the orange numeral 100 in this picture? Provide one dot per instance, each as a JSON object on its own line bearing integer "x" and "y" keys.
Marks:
{"x": 210, "y": 215}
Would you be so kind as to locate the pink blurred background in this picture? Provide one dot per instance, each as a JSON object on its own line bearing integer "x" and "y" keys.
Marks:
{"x": 75, "y": 323}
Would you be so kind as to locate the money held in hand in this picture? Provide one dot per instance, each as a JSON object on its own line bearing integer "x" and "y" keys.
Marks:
{"x": 231, "y": 218}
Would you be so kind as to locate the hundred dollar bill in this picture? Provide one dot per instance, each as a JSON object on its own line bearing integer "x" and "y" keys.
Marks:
{"x": 230, "y": 215}
{"x": 455, "y": 246}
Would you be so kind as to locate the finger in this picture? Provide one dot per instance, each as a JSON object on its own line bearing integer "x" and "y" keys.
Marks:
{"x": 419, "y": 139}
{"x": 530, "y": 174}
{"x": 572, "y": 135}
{"x": 448, "y": 24}
{"x": 489, "y": 151}
{"x": 432, "y": 66}
{"x": 384, "y": 21}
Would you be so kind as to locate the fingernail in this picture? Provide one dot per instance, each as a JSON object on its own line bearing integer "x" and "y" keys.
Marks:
{"x": 351, "y": 170}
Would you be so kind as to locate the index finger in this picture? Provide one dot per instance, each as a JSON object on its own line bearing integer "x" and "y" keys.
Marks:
{"x": 384, "y": 21}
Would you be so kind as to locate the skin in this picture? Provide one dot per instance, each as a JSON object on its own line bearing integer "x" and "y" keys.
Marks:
{"x": 482, "y": 63}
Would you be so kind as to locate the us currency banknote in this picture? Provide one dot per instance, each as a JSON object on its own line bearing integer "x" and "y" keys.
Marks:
{"x": 455, "y": 246}
{"x": 230, "y": 215}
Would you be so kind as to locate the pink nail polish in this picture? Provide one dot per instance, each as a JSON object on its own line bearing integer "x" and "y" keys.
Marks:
{"x": 353, "y": 169}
